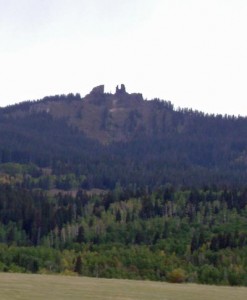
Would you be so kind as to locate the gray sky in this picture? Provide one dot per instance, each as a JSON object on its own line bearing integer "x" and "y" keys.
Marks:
{"x": 191, "y": 52}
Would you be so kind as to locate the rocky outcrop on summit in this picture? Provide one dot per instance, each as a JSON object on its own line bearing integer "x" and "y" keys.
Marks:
{"x": 110, "y": 117}
{"x": 121, "y": 90}
{"x": 105, "y": 117}
{"x": 123, "y": 95}
{"x": 98, "y": 90}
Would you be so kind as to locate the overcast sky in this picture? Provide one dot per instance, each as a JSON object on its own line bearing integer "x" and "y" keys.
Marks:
{"x": 191, "y": 52}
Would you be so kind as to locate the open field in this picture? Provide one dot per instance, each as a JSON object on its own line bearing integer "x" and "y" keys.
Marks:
{"x": 25, "y": 287}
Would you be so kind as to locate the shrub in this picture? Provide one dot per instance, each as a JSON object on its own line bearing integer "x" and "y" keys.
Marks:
{"x": 177, "y": 276}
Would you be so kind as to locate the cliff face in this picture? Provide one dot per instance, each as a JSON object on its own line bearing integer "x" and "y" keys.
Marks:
{"x": 111, "y": 117}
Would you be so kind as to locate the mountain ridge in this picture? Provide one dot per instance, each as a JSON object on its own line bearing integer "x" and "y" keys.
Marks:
{"x": 123, "y": 137}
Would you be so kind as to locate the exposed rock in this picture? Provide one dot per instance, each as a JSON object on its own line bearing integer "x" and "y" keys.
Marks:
{"x": 120, "y": 90}
{"x": 98, "y": 90}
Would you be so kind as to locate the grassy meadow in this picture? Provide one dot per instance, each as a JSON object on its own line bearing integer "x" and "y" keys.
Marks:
{"x": 27, "y": 286}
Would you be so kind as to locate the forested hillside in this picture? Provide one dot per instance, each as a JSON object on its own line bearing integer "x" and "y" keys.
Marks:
{"x": 112, "y": 185}
{"x": 110, "y": 138}
{"x": 172, "y": 235}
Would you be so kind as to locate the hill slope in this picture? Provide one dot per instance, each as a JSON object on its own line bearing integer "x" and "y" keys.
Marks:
{"x": 122, "y": 137}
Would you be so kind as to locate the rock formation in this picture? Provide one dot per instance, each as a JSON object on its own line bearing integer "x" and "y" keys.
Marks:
{"x": 98, "y": 90}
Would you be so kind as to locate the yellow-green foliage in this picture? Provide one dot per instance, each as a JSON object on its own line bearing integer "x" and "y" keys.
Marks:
{"x": 177, "y": 276}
